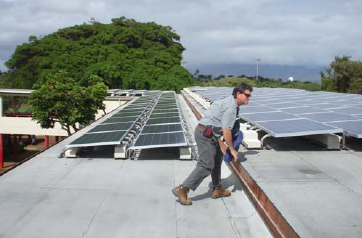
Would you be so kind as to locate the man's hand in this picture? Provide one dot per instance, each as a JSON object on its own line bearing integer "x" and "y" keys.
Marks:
{"x": 235, "y": 160}
{"x": 235, "y": 154}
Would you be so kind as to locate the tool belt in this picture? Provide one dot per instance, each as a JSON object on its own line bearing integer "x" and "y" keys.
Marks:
{"x": 210, "y": 131}
{"x": 206, "y": 130}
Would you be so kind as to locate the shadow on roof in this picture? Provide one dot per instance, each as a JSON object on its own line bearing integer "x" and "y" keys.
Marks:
{"x": 354, "y": 144}
{"x": 97, "y": 152}
{"x": 169, "y": 153}
{"x": 293, "y": 144}
{"x": 245, "y": 153}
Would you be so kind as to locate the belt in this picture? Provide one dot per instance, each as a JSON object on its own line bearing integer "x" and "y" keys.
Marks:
{"x": 202, "y": 127}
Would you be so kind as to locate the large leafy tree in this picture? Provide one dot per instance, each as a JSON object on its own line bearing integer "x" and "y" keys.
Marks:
{"x": 2, "y": 79}
{"x": 124, "y": 53}
{"x": 61, "y": 99}
{"x": 343, "y": 76}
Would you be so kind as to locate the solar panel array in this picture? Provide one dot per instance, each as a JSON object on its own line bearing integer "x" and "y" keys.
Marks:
{"x": 112, "y": 130}
{"x": 294, "y": 112}
{"x": 164, "y": 126}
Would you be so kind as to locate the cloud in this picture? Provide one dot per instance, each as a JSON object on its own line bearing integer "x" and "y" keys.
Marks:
{"x": 281, "y": 31}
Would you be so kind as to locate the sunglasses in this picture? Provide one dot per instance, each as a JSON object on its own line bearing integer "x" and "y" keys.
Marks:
{"x": 248, "y": 95}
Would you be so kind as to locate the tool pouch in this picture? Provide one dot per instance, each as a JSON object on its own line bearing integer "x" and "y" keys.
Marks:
{"x": 207, "y": 132}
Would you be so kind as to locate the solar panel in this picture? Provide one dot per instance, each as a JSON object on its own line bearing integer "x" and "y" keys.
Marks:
{"x": 336, "y": 107}
{"x": 266, "y": 116}
{"x": 282, "y": 105}
{"x": 349, "y": 110}
{"x": 162, "y": 128}
{"x": 112, "y": 130}
{"x": 170, "y": 106}
{"x": 126, "y": 114}
{"x": 135, "y": 107}
{"x": 296, "y": 127}
{"x": 108, "y": 138}
{"x": 253, "y": 104}
{"x": 131, "y": 110}
{"x": 164, "y": 140}
{"x": 163, "y": 120}
{"x": 326, "y": 105}
{"x": 142, "y": 103}
{"x": 159, "y": 115}
{"x": 253, "y": 109}
{"x": 301, "y": 110}
{"x": 300, "y": 103}
{"x": 126, "y": 117}
{"x": 329, "y": 117}
{"x": 268, "y": 101}
{"x": 112, "y": 127}
{"x": 352, "y": 128}
{"x": 165, "y": 110}
{"x": 166, "y": 104}
{"x": 167, "y": 100}
{"x": 119, "y": 119}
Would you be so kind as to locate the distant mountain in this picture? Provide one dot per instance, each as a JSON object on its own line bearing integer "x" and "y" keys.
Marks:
{"x": 298, "y": 72}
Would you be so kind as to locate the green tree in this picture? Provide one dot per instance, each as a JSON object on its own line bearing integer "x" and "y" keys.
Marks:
{"x": 356, "y": 86}
{"x": 125, "y": 53}
{"x": 343, "y": 75}
{"x": 2, "y": 79}
{"x": 61, "y": 99}
{"x": 176, "y": 79}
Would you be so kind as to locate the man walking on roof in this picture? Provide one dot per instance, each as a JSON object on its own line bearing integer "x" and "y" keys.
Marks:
{"x": 221, "y": 114}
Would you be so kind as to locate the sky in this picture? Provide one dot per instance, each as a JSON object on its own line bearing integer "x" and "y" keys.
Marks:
{"x": 281, "y": 32}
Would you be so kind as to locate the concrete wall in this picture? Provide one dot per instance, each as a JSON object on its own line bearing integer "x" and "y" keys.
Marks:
{"x": 110, "y": 106}
{"x": 26, "y": 126}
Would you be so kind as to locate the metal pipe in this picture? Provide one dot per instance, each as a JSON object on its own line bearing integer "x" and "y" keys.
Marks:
{"x": 263, "y": 138}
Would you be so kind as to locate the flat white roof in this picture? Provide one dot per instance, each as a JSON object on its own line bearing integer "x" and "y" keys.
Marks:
{"x": 97, "y": 196}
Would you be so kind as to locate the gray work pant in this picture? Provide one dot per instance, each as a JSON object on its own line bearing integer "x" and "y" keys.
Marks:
{"x": 210, "y": 158}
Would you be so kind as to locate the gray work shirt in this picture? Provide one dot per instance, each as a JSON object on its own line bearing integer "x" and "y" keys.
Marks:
{"x": 221, "y": 113}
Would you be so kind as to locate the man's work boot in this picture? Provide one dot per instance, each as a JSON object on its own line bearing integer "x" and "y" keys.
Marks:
{"x": 181, "y": 193}
{"x": 219, "y": 192}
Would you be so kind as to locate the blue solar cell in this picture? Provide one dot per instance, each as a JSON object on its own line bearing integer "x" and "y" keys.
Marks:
{"x": 163, "y": 140}
{"x": 168, "y": 114}
{"x": 246, "y": 109}
{"x": 349, "y": 110}
{"x": 296, "y": 127}
{"x": 267, "y": 116}
{"x": 329, "y": 117}
{"x": 325, "y": 105}
{"x": 112, "y": 127}
{"x": 282, "y": 105}
{"x": 301, "y": 110}
{"x": 163, "y": 120}
{"x": 353, "y": 128}
{"x": 162, "y": 128}
{"x": 268, "y": 101}
{"x": 105, "y": 138}
{"x": 300, "y": 103}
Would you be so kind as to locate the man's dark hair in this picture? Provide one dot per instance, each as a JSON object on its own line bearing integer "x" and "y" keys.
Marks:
{"x": 241, "y": 89}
